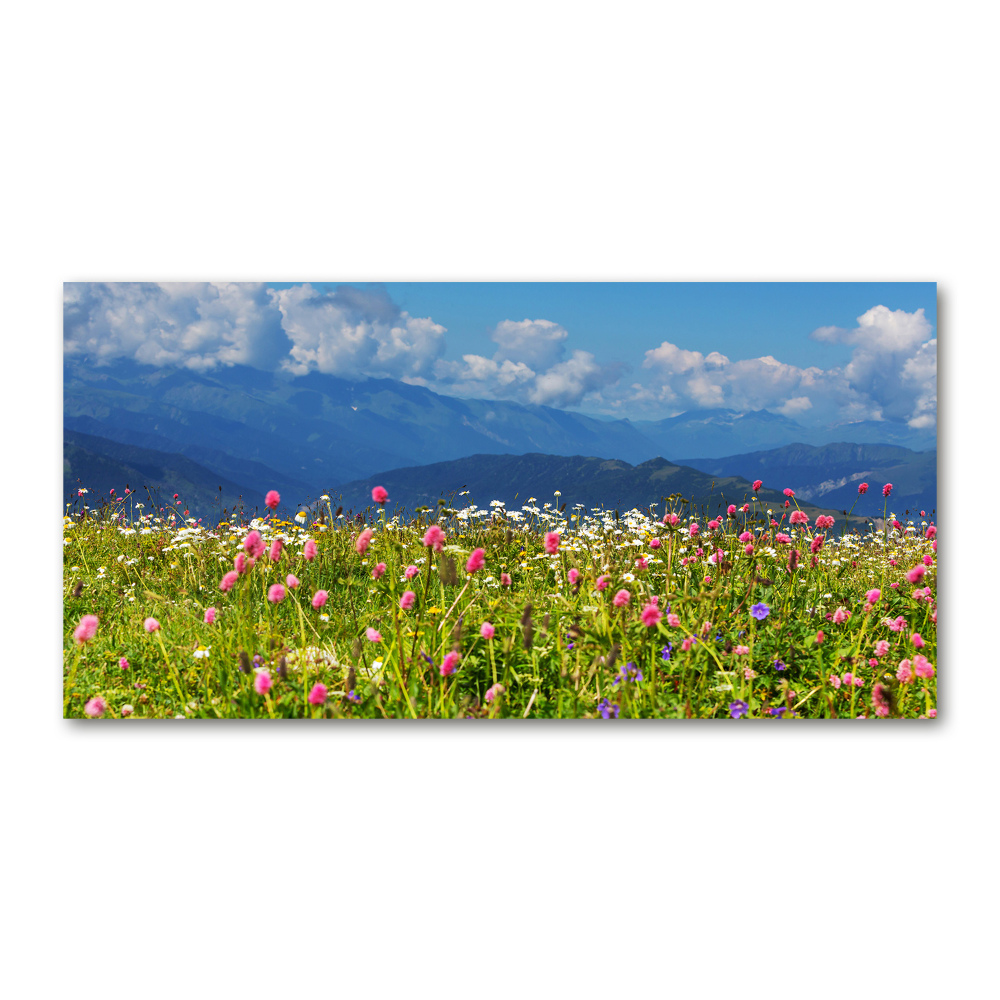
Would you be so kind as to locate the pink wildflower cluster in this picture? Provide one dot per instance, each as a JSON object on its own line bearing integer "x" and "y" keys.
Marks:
{"x": 96, "y": 707}
{"x": 651, "y": 614}
{"x": 86, "y": 630}
{"x": 254, "y": 544}
{"x": 880, "y": 699}
{"x": 363, "y": 541}
{"x": 434, "y": 538}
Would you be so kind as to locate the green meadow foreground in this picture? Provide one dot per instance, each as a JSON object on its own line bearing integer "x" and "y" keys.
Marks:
{"x": 544, "y": 612}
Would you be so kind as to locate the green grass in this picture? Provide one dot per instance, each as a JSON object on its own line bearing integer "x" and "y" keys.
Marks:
{"x": 560, "y": 649}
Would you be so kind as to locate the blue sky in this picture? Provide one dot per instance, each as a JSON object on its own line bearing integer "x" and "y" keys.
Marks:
{"x": 819, "y": 353}
{"x": 617, "y": 321}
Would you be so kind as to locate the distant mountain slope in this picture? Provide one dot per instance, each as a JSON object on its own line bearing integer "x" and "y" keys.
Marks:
{"x": 830, "y": 474}
{"x": 594, "y": 482}
{"x": 100, "y": 465}
{"x": 714, "y": 433}
{"x": 317, "y": 428}
{"x": 319, "y": 431}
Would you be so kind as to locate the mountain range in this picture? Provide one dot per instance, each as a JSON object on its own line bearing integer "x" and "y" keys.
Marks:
{"x": 716, "y": 433}
{"x": 830, "y": 475}
{"x": 318, "y": 428}
{"x": 250, "y": 431}
{"x": 592, "y": 482}
{"x": 100, "y": 465}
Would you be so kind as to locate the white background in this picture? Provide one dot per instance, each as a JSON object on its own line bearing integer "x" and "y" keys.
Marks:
{"x": 494, "y": 142}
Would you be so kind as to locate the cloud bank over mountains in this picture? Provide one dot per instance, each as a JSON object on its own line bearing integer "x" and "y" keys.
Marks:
{"x": 892, "y": 375}
{"x": 353, "y": 333}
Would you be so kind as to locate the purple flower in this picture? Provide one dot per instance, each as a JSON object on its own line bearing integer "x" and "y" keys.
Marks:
{"x": 777, "y": 711}
{"x": 778, "y": 665}
{"x": 760, "y": 611}
{"x": 607, "y": 710}
{"x": 630, "y": 672}
{"x": 351, "y": 696}
{"x": 738, "y": 709}
{"x": 667, "y": 650}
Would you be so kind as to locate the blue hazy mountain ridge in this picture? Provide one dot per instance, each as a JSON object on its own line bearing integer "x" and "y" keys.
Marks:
{"x": 593, "y": 482}
{"x": 830, "y": 474}
{"x": 319, "y": 428}
{"x": 100, "y": 465}
{"x": 718, "y": 433}
{"x": 262, "y": 429}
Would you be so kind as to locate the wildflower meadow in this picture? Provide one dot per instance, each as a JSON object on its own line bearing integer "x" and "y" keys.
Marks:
{"x": 550, "y": 611}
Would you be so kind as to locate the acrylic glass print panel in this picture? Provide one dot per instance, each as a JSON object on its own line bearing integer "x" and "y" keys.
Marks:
{"x": 500, "y": 500}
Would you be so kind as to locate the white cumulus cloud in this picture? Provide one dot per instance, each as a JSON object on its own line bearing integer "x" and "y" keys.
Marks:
{"x": 197, "y": 325}
{"x": 538, "y": 343}
{"x": 351, "y": 333}
{"x": 348, "y": 332}
{"x": 892, "y": 375}
{"x": 528, "y": 366}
